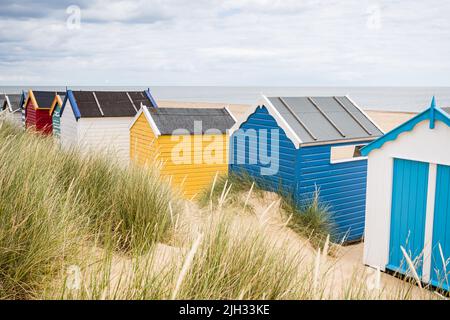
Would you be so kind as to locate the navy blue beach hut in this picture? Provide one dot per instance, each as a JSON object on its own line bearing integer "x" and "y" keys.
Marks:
{"x": 300, "y": 145}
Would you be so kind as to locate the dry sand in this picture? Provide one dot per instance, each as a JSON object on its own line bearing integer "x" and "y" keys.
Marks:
{"x": 348, "y": 261}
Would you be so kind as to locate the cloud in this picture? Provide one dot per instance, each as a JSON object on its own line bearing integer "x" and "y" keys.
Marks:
{"x": 213, "y": 42}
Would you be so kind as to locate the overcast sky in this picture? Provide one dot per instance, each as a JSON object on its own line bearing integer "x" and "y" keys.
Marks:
{"x": 213, "y": 42}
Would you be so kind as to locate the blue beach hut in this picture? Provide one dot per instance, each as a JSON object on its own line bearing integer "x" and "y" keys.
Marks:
{"x": 408, "y": 198}
{"x": 298, "y": 145}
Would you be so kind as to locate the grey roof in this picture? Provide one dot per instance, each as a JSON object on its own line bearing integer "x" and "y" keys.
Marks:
{"x": 93, "y": 104}
{"x": 170, "y": 119}
{"x": 14, "y": 100}
{"x": 325, "y": 119}
{"x": 2, "y": 101}
{"x": 45, "y": 99}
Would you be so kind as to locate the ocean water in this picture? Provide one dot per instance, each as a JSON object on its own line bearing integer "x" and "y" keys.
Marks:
{"x": 369, "y": 98}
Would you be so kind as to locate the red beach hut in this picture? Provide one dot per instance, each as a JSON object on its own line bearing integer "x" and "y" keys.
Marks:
{"x": 37, "y": 108}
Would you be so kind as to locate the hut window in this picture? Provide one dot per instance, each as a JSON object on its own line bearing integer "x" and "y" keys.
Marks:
{"x": 346, "y": 153}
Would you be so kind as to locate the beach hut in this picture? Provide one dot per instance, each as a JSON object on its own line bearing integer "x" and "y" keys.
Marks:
{"x": 37, "y": 108}
{"x": 190, "y": 144}
{"x": 55, "y": 111}
{"x": 303, "y": 146}
{"x": 408, "y": 198}
{"x": 99, "y": 120}
{"x": 11, "y": 106}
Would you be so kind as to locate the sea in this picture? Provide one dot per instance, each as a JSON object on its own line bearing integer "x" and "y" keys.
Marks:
{"x": 413, "y": 99}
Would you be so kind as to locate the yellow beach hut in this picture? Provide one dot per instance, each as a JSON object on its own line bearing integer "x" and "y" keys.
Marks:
{"x": 190, "y": 144}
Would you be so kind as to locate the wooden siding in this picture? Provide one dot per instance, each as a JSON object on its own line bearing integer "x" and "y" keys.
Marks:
{"x": 56, "y": 122}
{"x": 342, "y": 186}
{"x": 409, "y": 205}
{"x": 39, "y": 119}
{"x": 284, "y": 180}
{"x": 68, "y": 127}
{"x": 302, "y": 171}
{"x": 193, "y": 177}
{"x": 190, "y": 177}
{"x": 441, "y": 230}
{"x": 30, "y": 120}
{"x": 143, "y": 143}
{"x": 109, "y": 135}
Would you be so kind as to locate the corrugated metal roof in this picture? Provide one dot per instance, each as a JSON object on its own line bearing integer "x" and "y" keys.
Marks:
{"x": 170, "y": 119}
{"x": 93, "y": 104}
{"x": 322, "y": 119}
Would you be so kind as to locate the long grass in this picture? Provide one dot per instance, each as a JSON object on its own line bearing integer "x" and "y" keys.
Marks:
{"x": 311, "y": 218}
{"x": 84, "y": 227}
{"x": 54, "y": 201}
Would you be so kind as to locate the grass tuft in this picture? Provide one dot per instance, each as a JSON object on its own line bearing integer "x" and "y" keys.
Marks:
{"x": 52, "y": 202}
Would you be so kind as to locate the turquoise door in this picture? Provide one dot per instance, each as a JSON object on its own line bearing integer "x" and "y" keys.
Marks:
{"x": 441, "y": 230}
{"x": 408, "y": 212}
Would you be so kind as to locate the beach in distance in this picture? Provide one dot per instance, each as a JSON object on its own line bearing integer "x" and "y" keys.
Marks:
{"x": 409, "y": 99}
{"x": 387, "y": 120}
{"x": 387, "y": 106}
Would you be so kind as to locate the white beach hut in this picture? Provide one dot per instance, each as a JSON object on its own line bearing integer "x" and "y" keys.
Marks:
{"x": 408, "y": 198}
{"x": 99, "y": 120}
{"x": 11, "y": 106}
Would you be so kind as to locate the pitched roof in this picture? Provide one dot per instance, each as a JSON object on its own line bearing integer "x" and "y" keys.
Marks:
{"x": 176, "y": 121}
{"x": 44, "y": 99}
{"x": 320, "y": 120}
{"x": 95, "y": 104}
{"x": 58, "y": 100}
{"x": 432, "y": 114}
{"x": 11, "y": 101}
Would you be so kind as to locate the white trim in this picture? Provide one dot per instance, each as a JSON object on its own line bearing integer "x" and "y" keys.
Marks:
{"x": 132, "y": 103}
{"x": 244, "y": 118}
{"x": 290, "y": 133}
{"x": 348, "y": 160}
{"x": 330, "y": 142}
{"x": 387, "y": 237}
{"x": 9, "y": 103}
{"x": 283, "y": 123}
{"x": 135, "y": 118}
{"x": 231, "y": 114}
{"x": 428, "y": 236}
{"x": 364, "y": 113}
{"x": 149, "y": 118}
{"x": 98, "y": 104}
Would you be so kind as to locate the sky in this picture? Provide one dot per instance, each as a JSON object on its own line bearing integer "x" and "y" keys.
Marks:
{"x": 225, "y": 43}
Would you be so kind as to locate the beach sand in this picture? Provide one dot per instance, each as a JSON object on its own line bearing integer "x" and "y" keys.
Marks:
{"x": 386, "y": 120}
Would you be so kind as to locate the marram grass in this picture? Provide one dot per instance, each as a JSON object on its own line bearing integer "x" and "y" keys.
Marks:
{"x": 84, "y": 227}
{"x": 54, "y": 201}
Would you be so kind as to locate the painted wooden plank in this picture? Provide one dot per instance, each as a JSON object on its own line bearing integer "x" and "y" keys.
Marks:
{"x": 342, "y": 187}
{"x": 440, "y": 266}
{"x": 409, "y": 200}
{"x": 285, "y": 177}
